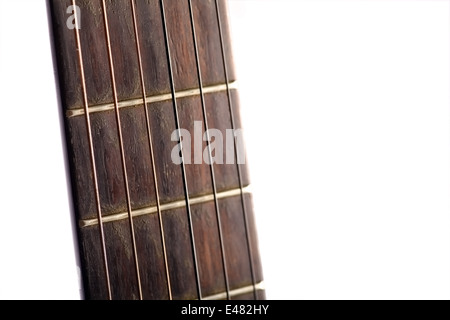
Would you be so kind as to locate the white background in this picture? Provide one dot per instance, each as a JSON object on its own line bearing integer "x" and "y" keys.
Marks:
{"x": 346, "y": 110}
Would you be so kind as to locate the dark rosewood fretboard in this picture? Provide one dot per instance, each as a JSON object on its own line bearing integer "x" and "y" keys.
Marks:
{"x": 133, "y": 72}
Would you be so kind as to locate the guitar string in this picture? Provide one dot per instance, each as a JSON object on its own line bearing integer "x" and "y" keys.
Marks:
{"x": 233, "y": 124}
{"x": 183, "y": 167}
{"x": 122, "y": 149}
{"x": 152, "y": 155}
{"x": 206, "y": 127}
{"x": 92, "y": 155}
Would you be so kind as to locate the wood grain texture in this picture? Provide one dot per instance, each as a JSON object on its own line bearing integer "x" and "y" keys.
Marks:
{"x": 239, "y": 239}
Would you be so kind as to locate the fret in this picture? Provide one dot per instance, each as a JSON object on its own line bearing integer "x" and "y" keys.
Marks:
{"x": 219, "y": 118}
{"x": 138, "y": 158}
{"x": 238, "y": 237}
{"x": 164, "y": 207}
{"x": 179, "y": 256}
{"x": 152, "y": 47}
{"x": 208, "y": 39}
{"x": 234, "y": 293}
{"x": 79, "y": 111}
{"x": 190, "y": 226}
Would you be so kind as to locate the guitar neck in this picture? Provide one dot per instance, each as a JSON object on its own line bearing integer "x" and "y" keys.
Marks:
{"x": 160, "y": 184}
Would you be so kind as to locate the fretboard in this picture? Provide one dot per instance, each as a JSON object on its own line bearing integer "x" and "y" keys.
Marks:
{"x": 139, "y": 79}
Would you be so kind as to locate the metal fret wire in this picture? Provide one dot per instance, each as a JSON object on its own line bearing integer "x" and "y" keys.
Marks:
{"x": 122, "y": 150}
{"x": 75, "y": 112}
{"x": 92, "y": 155}
{"x": 150, "y": 142}
{"x": 237, "y": 292}
{"x": 233, "y": 124}
{"x": 183, "y": 168}
{"x": 213, "y": 177}
{"x": 165, "y": 207}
